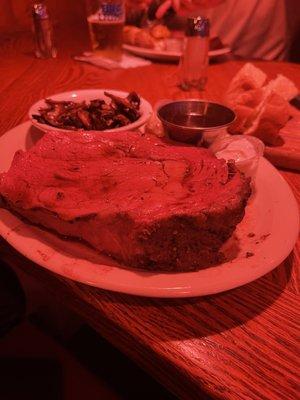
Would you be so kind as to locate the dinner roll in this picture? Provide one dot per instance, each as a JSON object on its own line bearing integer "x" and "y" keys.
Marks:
{"x": 129, "y": 34}
{"x": 144, "y": 39}
{"x": 160, "y": 32}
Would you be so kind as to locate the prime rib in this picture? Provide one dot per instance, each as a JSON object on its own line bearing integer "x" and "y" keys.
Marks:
{"x": 145, "y": 202}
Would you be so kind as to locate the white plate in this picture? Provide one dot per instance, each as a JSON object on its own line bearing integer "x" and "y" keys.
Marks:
{"x": 272, "y": 215}
{"x": 164, "y": 55}
{"x": 87, "y": 95}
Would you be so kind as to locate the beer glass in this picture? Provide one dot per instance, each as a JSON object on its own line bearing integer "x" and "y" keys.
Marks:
{"x": 105, "y": 21}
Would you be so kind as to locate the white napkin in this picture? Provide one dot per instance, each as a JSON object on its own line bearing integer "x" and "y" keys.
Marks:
{"x": 128, "y": 61}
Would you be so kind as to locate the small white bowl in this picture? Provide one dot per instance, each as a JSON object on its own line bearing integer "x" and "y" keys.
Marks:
{"x": 243, "y": 149}
{"x": 88, "y": 95}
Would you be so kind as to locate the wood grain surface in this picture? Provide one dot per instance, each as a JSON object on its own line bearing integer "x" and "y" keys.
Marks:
{"x": 242, "y": 344}
{"x": 287, "y": 154}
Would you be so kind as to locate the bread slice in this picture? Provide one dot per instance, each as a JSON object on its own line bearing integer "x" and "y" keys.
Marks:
{"x": 272, "y": 114}
{"x": 249, "y": 77}
{"x": 284, "y": 87}
{"x": 246, "y": 108}
{"x": 244, "y": 118}
{"x": 262, "y": 109}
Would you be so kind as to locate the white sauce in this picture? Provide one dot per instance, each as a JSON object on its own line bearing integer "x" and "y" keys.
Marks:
{"x": 238, "y": 150}
{"x": 245, "y": 151}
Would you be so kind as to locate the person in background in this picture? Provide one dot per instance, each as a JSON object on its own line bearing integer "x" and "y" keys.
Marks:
{"x": 185, "y": 7}
{"x": 253, "y": 29}
{"x": 135, "y": 11}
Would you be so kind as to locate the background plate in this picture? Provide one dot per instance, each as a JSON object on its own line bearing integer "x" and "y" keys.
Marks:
{"x": 164, "y": 55}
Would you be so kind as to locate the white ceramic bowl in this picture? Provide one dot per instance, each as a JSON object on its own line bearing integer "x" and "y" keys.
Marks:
{"x": 245, "y": 150}
{"x": 87, "y": 95}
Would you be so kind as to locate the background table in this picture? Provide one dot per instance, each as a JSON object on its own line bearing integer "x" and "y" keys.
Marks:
{"x": 241, "y": 344}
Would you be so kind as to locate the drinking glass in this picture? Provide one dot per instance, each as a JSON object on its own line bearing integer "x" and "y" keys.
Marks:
{"x": 106, "y": 20}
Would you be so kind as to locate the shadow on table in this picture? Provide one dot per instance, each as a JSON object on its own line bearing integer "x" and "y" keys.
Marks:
{"x": 28, "y": 378}
{"x": 205, "y": 316}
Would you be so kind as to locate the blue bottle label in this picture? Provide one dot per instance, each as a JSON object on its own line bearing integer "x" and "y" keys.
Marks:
{"x": 112, "y": 10}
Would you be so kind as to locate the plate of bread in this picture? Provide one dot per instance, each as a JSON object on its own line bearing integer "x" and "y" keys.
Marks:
{"x": 263, "y": 109}
{"x": 159, "y": 43}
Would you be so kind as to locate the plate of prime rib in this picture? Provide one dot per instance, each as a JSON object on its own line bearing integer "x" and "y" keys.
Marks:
{"x": 135, "y": 214}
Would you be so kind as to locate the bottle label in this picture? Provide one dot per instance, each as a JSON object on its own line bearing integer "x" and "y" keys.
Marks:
{"x": 111, "y": 10}
{"x": 197, "y": 27}
{"x": 202, "y": 27}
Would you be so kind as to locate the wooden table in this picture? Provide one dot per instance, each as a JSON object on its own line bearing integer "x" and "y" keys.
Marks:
{"x": 241, "y": 344}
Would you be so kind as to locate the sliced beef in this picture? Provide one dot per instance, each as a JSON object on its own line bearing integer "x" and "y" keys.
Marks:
{"x": 147, "y": 203}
